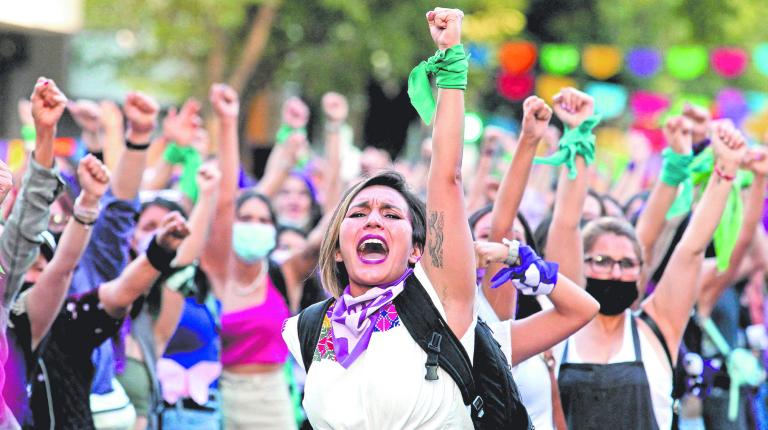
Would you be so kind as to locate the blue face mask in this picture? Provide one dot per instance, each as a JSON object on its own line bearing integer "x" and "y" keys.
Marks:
{"x": 252, "y": 241}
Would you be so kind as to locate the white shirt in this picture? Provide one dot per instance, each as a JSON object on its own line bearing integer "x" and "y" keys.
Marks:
{"x": 385, "y": 387}
{"x": 531, "y": 376}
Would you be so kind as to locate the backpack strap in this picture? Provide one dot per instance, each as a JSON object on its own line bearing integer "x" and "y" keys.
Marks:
{"x": 657, "y": 332}
{"x": 309, "y": 326}
{"x": 428, "y": 328}
{"x": 278, "y": 280}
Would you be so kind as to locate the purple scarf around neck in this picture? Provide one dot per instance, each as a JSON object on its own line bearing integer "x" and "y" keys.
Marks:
{"x": 352, "y": 320}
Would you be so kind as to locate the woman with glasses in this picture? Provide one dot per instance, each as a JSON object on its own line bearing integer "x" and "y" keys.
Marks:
{"x": 616, "y": 372}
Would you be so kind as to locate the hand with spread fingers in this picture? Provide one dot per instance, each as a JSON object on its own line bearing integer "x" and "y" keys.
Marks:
{"x": 182, "y": 126}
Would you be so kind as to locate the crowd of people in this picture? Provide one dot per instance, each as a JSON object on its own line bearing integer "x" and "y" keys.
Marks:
{"x": 152, "y": 283}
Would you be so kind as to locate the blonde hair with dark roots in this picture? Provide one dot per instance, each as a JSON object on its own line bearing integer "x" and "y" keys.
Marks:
{"x": 610, "y": 225}
{"x": 333, "y": 274}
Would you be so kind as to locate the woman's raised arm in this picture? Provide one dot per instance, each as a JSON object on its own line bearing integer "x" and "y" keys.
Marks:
{"x": 449, "y": 259}
{"x": 671, "y": 303}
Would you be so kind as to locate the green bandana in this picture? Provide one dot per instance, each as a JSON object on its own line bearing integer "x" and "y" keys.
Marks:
{"x": 450, "y": 68}
{"x": 676, "y": 170}
{"x": 190, "y": 160}
{"x": 575, "y": 141}
{"x": 727, "y": 232}
{"x": 743, "y": 366}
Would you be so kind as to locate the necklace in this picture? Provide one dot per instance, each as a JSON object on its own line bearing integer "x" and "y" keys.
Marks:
{"x": 256, "y": 284}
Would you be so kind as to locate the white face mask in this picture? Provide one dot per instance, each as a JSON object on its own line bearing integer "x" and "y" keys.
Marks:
{"x": 253, "y": 241}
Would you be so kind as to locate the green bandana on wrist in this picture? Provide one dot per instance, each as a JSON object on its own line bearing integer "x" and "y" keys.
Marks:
{"x": 728, "y": 229}
{"x": 575, "y": 141}
{"x": 450, "y": 68}
{"x": 676, "y": 170}
{"x": 28, "y": 133}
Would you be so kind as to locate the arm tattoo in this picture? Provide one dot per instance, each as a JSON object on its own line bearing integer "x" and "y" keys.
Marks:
{"x": 436, "y": 223}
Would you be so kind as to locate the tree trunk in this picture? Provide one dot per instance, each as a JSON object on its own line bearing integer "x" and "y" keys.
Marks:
{"x": 254, "y": 45}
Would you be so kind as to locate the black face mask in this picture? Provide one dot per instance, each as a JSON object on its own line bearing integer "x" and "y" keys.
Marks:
{"x": 613, "y": 295}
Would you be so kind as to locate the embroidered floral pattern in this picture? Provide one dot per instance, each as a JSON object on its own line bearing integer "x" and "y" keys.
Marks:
{"x": 387, "y": 319}
{"x": 324, "y": 348}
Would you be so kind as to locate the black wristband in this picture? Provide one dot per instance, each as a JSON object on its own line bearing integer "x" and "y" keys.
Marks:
{"x": 159, "y": 257}
{"x": 136, "y": 146}
{"x": 82, "y": 222}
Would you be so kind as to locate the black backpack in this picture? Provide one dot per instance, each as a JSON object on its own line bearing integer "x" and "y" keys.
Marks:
{"x": 488, "y": 386}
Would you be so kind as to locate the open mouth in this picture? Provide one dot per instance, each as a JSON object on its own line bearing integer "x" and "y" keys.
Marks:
{"x": 372, "y": 249}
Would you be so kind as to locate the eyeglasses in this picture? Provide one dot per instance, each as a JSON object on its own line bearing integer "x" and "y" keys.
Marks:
{"x": 603, "y": 264}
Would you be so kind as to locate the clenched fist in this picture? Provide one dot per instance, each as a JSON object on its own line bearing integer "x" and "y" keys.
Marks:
{"x": 225, "y": 102}
{"x": 295, "y": 113}
{"x": 678, "y": 132}
{"x": 208, "y": 177}
{"x": 335, "y": 107}
{"x": 48, "y": 104}
{"x": 141, "y": 112}
{"x": 573, "y": 106}
{"x": 536, "y": 116}
{"x": 93, "y": 176}
{"x": 445, "y": 26}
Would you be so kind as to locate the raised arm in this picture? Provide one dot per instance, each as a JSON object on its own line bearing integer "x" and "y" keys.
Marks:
{"x": 489, "y": 150}
{"x": 573, "y": 307}
{"x": 208, "y": 178}
{"x": 218, "y": 249}
{"x": 674, "y": 171}
{"x": 449, "y": 262}
{"x": 141, "y": 113}
{"x": 564, "y": 243}
{"x": 757, "y": 161}
{"x": 118, "y": 295}
{"x": 336, "y": 110}
{"x": 20, "y": 240}
{"x": 45, "y": 299}
{"x": 536, "y": 116}
{"x": 671, "y": 303}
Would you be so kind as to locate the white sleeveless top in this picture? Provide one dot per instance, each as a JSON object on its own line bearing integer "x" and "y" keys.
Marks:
{"x": 385, "y": 387}
{"x": 531, "y": 376}
{"x": 656, "y": 366}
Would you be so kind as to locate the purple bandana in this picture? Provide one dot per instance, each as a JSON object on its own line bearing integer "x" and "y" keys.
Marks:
{"x": 352, "y": 319}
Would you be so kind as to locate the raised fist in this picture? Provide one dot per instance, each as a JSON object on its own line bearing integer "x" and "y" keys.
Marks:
{"x": 48, "y": 103}
{"x": 141, "y": 112}
{"x": 536, "y": 116}
{"x": 756, "y": 160}
{"x": 335, "y": 107}
{"x": 729, "y": 146}
{"x": 93, "y": 176}
{"x": 182, "y": 126}
{"x": 490, "y": 252}
{"x": 445, "y": 26}
{"x": 87, "y": 115}
{"x": 296, "y": 112}
{"x": 573, "y": 106}
{"x": 700, "y": 120}
{"x": 208, "y": 177}
{"x": 225, "y": 102}
{"x": 678, "y": 131}
{"x": 6, "y": 180}
{"x": 173, "y": 230}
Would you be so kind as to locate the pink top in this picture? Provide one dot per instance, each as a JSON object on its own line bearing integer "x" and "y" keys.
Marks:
{"x": 253, "y": 335}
